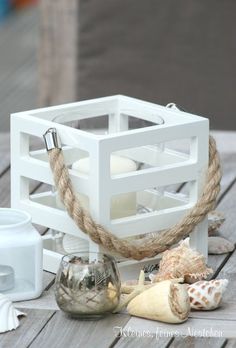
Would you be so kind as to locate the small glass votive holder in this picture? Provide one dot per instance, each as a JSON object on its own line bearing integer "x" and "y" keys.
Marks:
{"x": 87, "y": 285}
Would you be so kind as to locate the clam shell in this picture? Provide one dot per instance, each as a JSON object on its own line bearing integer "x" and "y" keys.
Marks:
{"x": 8, "y": 315}
{"x": 206, "y": 295}
{"x": 182, "y": 262}
{"x": 216, "y": 245}
{"x": 215, "y": 220}
{"x": 219, "y": 245}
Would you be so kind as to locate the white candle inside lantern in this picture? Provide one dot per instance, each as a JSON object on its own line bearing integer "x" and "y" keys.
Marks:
{"x": 6, "y": 277}
{"x": 122, "y": 205}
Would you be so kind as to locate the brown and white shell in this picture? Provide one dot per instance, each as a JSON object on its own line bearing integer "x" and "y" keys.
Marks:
{"x": 182, "y": 262}
{"x": 206, "y": 295}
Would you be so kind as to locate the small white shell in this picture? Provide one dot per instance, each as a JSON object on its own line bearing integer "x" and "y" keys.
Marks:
{"x": 8, "y": 315}
{"x": 219, "y": 245}
{"x": 72, "y": 244}
{"x": 206, "y": 295}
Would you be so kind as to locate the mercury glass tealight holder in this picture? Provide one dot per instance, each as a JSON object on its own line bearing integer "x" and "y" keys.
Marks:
{"x": 87, "y": 285}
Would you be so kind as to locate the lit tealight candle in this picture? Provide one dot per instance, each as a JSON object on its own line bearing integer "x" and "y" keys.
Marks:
{"x": 6, "y": 277}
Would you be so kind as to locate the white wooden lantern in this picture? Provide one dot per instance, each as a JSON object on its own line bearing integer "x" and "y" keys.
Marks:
{"x": 152, "y": 147}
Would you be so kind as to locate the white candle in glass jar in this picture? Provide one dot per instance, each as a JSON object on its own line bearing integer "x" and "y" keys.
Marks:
{"x": 122, "y": 205}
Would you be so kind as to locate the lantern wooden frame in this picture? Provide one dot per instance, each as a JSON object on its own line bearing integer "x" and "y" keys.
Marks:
{"x": 173, "y": 168}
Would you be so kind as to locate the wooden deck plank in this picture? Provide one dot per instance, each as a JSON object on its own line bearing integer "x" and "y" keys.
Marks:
{"x": 192, "y": 342}
{"x": 28, "y": 329}
{"x": 48, "y": 279}
{"x": 4, "y": 189}
{"x": 4, "y": 152}
{"x": 231, "y": 343}
{"x": 62, "y": 331}
{"x": 195, "y": 327}
{"x": 46, "y": 301}
{"x": 140, "y": 342}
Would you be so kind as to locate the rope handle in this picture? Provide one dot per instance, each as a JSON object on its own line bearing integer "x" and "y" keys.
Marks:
{"x": 136, "y": 249}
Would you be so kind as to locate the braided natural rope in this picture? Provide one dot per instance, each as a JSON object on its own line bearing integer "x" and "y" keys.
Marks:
{"x": 153, "y": 245}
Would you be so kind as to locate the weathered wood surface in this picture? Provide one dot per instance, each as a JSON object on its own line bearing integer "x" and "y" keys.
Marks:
{"x": 62, "y": 331}
{"x": 29, "y": 328}
{"x": 46, "y": 326}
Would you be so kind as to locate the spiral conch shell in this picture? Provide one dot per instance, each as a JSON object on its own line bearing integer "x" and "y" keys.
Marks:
{"x": 166, "y": 301}
{"x": 8, "y": 315}
{"x": 206, "y": 295}
{"x": 184, "y": 262}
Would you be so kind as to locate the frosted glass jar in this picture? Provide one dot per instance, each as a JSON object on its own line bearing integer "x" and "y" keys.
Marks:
{"x": 21, "y": 248}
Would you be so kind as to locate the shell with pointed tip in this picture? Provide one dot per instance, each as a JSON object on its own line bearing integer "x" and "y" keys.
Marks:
{"x": 8, "y": 315}
{"x": 206, "y": 295}
{"x": 165, "y": 301}
{"x": 182, "y": 262}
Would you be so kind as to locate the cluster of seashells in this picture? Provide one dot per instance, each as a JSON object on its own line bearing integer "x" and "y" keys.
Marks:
{"x": 184, "y": 262}
{"x": 179, "y": 286}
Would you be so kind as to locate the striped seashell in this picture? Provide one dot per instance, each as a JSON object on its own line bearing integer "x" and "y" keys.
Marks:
{"x": 206, "y": 295}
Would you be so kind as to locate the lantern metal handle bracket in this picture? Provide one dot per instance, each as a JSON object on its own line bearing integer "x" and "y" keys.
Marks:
{"x": 52, "y": 139}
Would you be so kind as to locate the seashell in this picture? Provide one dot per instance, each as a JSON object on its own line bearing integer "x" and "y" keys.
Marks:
{"x": 215, "y": 220}
{"x": 8, "y": 315}
{"x": 216, "y": 245}
{"x": 219, "y": 245}
{"x": 206, "y": 295}
{"x": 166, "y": 301}
{"x": 182, "y": 262}
{"x": 73, "y": 244}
